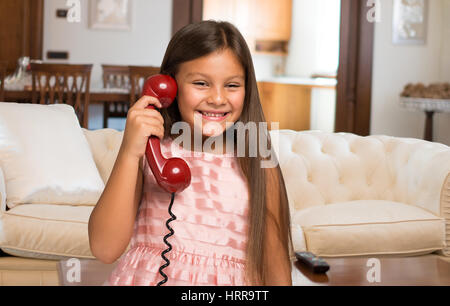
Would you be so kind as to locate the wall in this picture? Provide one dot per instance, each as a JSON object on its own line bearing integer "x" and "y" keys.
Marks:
{"x": 442, "y": 124}
{"x": 145, "y": 44}
{"x": 314, "y": 45}
{"x": 396, "y": 65}
{"x": 445, "y": 54}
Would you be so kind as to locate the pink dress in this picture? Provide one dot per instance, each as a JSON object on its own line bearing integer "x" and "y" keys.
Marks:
{"x": 208, "y": 246}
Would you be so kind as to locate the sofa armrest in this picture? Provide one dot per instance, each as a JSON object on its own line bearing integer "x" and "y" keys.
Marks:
{"x": 420, "y": 168}
{"x": 422, "y": 171}
{"x": 2, "y": 192}
{"x": 445, "y": 213}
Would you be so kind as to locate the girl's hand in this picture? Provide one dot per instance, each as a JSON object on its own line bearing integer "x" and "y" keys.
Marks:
{"x": 141, "y": 124}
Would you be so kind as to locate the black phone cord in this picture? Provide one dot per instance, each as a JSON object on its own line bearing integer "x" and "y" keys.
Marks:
{"x": 173, "y": 217}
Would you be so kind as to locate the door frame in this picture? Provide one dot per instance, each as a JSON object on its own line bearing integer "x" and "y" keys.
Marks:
{"x": 354, "y": 79}
{"x": 36, "y": 29}
{"x": 185, "y": 12}
{"x": 31, "y": 18}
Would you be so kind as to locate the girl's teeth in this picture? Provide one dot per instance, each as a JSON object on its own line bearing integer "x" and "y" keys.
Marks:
{"x": 213, "y": 115}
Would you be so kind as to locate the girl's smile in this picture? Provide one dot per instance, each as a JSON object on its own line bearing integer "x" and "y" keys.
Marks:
{"x": 213, "y": 116}
{"x": 211, "y": 91}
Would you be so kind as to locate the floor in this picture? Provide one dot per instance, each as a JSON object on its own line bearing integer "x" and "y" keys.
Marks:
{"x": 14, "y": 271}
{"x": 442, "y": 257}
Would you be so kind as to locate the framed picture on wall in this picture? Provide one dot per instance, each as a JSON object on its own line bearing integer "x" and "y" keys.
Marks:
{"x": 410, "y": 22}
{"x": 110, "y": 14}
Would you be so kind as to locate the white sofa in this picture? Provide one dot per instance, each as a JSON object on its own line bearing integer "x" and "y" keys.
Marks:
{"x": 348, "y": 195}
{"x": 377, "y": 195}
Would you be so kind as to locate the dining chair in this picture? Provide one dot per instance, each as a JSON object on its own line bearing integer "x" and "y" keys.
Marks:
{"x": 138, "y": 75}
{"x": 63, "y": 83}
{"x": 3, "y": 66}
{"x": 115, "y": 76}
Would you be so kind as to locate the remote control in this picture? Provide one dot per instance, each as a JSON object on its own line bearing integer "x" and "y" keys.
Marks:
{"x": 312, "y": 262}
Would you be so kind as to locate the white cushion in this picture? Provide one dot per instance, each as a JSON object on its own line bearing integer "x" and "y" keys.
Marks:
{"x": 45, "y": 156}
{"x": 105, "y": 145}
{"x": 2, "y": 191}
{"x": 370, "y": 227}
{"x": 46, "y": 231}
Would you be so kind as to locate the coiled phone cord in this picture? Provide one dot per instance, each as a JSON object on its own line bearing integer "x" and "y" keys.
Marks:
{"x": 173, "y": 217}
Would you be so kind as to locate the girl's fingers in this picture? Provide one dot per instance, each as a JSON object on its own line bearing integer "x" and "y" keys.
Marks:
{"x": 145, "y": 101}
{"x": 149, "y": 114}
{"x": 154, "y": 130}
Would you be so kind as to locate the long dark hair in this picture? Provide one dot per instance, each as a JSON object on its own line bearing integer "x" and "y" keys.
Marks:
{"x": 200, "y": 39}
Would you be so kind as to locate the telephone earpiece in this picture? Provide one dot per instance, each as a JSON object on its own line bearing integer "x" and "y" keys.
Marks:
{"x": 173, "y": 175}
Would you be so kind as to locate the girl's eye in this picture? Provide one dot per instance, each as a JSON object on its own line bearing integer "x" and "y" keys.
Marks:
{"x": 234, "y": 85}
{"x": 200, "y": 83}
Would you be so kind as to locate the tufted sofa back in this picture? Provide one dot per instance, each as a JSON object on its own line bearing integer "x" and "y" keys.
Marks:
{"x": 320, "y": 168}
{"x": 105, "y": 145}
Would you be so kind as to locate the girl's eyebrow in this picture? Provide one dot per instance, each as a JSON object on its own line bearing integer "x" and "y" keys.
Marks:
{"x": 191, "y": 74}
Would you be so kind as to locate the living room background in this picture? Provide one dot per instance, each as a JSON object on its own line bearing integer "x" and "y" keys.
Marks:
{"x": 394, "y": 66}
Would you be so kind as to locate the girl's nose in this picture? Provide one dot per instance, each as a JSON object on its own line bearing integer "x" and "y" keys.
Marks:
{"x": 217, "y": 96}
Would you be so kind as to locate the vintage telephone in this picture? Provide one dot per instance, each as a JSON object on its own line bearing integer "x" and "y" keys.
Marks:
{"x": 173, "y": 175}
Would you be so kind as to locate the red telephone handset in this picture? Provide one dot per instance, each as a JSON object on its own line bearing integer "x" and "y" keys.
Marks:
{"x": 173, "y": 175}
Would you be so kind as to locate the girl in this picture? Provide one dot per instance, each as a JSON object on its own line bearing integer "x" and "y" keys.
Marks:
{"x": 233, "y": 223}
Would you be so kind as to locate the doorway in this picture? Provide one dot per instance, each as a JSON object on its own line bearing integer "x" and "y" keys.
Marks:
{"x": 354, "y": 77}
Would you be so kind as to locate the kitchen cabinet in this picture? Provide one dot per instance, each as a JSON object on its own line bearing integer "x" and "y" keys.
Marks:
{"x": 288, "y": 100}
{"x": 288, "y": 104}
{"x": 260, "y": 21}
{"x": 273, "y": 19}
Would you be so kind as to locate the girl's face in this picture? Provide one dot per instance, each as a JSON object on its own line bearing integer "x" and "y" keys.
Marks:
{"x": 211, "y": 91}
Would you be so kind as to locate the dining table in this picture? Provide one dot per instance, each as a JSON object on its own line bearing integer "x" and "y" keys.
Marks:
{"x": 97, "y": 95}
{"x": 21, "y": 92}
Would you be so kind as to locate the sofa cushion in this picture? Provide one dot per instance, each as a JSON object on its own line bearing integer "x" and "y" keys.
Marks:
{"x": 369, "y": 227}
{"x": 45, "y": 156}
{"x": 2, "y": 191}
{"x": 105, "y": 145}
{"x": 46, "y": 231}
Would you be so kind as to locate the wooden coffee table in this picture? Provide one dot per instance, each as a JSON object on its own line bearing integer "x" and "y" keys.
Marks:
{"x": 428, "y": 270}
{"x": 91, "y": 272}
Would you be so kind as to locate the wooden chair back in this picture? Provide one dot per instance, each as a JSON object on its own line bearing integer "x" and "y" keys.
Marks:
{"x": 138, "y": 75}
{"x": 3, "y": 66}
{"x": 63, "y": 83}
{"x": 115, "y": 76}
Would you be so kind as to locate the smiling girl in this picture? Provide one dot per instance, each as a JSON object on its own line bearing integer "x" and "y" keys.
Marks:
{"x": 233, "y": 223}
